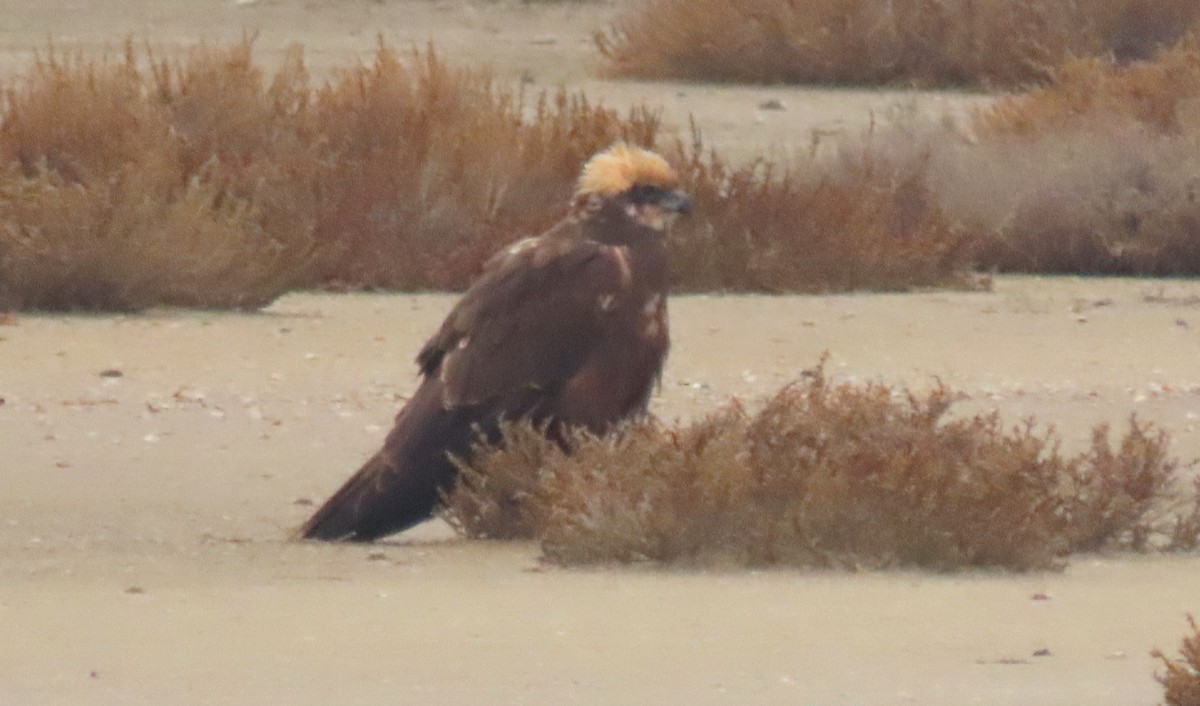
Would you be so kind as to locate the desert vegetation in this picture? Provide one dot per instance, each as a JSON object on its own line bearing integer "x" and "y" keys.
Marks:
{"x": 197, "y": 180}
{"x": 112, "y": 197}
{"x": 862, "y": 223}
{"x": 1095, "y": 173}
{"x": 137, "y": 180}
{"x": 1092, "y": 174}
{"x": 1181, "y": 678}
{"x": 831, "y": 474}
{"x": 985, "y": 43}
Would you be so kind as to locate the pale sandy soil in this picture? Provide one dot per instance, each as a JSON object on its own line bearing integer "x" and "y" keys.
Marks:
{"x": 144, "y": 518}
{"x": 143, "y": 556}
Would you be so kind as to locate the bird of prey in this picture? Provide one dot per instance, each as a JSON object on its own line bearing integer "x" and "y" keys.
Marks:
{"x": 567, "y": 329}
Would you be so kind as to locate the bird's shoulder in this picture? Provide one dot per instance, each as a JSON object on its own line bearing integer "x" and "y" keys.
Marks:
{"x": 530, "y": 288}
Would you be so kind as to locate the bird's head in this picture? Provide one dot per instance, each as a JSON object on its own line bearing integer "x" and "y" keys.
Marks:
{"x": 634, "y": 184}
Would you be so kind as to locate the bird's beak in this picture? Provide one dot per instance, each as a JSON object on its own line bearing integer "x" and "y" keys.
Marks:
{"x": 677, "y": 202}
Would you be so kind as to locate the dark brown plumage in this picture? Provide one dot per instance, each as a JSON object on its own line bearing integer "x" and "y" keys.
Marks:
{"x": 568, "y": 329}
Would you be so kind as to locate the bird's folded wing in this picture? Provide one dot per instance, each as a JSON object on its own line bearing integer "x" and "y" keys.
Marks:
{"x": 529, "y": 325}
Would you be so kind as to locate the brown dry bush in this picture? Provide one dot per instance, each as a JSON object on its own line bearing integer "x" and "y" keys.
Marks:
{"x": 673, "y": 499}
{"x": 884, "y": 482}
{"x": 1095, "y": 174}
{"x": 831, "y": 475}
{"x": 1181, "y": 680}
{"x": 1184, "y": 532}
{"x": 499, "y": 494}
{"x": 1113, "y": 496}
{"x": 200, "y": 181}
{"x": 135, "y": 181}
{"x": 100, "y": 209}
{"x": 862, "y": 223}
{"x": 824, "y": 477}
{"x": 924, "y": 42}
{"x": 434, "y": 167}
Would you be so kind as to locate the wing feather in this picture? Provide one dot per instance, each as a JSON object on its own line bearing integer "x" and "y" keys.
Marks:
{"x": 529, "y": 324}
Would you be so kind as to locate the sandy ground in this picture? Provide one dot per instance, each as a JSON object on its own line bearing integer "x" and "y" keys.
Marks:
{"x": 153, "y": 466}
{"x": 143, "y": 552}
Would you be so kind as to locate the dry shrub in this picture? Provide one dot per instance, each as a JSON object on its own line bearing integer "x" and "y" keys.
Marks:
{"x": 134, "y": 181}
{"x": 1185, "y": 530}
{"x": 862, "y": 223}
{"x": 831, "y": 475}
{"x": 100, "y": 209}
{"x": 137, "y": 241}
{"x": 197, "y": 180}
{"x": 1100, "y": 202}
{"x": 839, "y": 476}
{"x": 884, "y": 482}
{"x": 1095, "y": 174}
{"x": 466, "y": 167}
{"x": 1181, "y": 681}
{"x": 925, "y": 42}
{"x": 1113, "y": 496}
{"x": 1159, "y": 94}
{"x": 435, "y": 167}
{"x": 673, "y": 499}
{"x": 499, "y": 493}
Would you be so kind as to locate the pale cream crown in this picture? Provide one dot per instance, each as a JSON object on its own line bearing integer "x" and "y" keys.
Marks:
{"x": 619, "y": 167}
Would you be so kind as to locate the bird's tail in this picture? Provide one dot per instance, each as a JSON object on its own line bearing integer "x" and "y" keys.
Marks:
{"x": 354, "y": 513}
{"x": 402, "y": 484}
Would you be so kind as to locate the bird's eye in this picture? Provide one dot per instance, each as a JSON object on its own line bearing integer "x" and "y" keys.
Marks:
{"x": 645, "y": 193}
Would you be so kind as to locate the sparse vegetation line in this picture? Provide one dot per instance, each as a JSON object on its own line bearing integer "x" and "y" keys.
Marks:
{"x": 982, "y": 43}
{"x": 1181, "y": 677}
{"x": 831, "y": 474}
{"x": 138, "y": 180}
{"x": 197, "y": 180}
